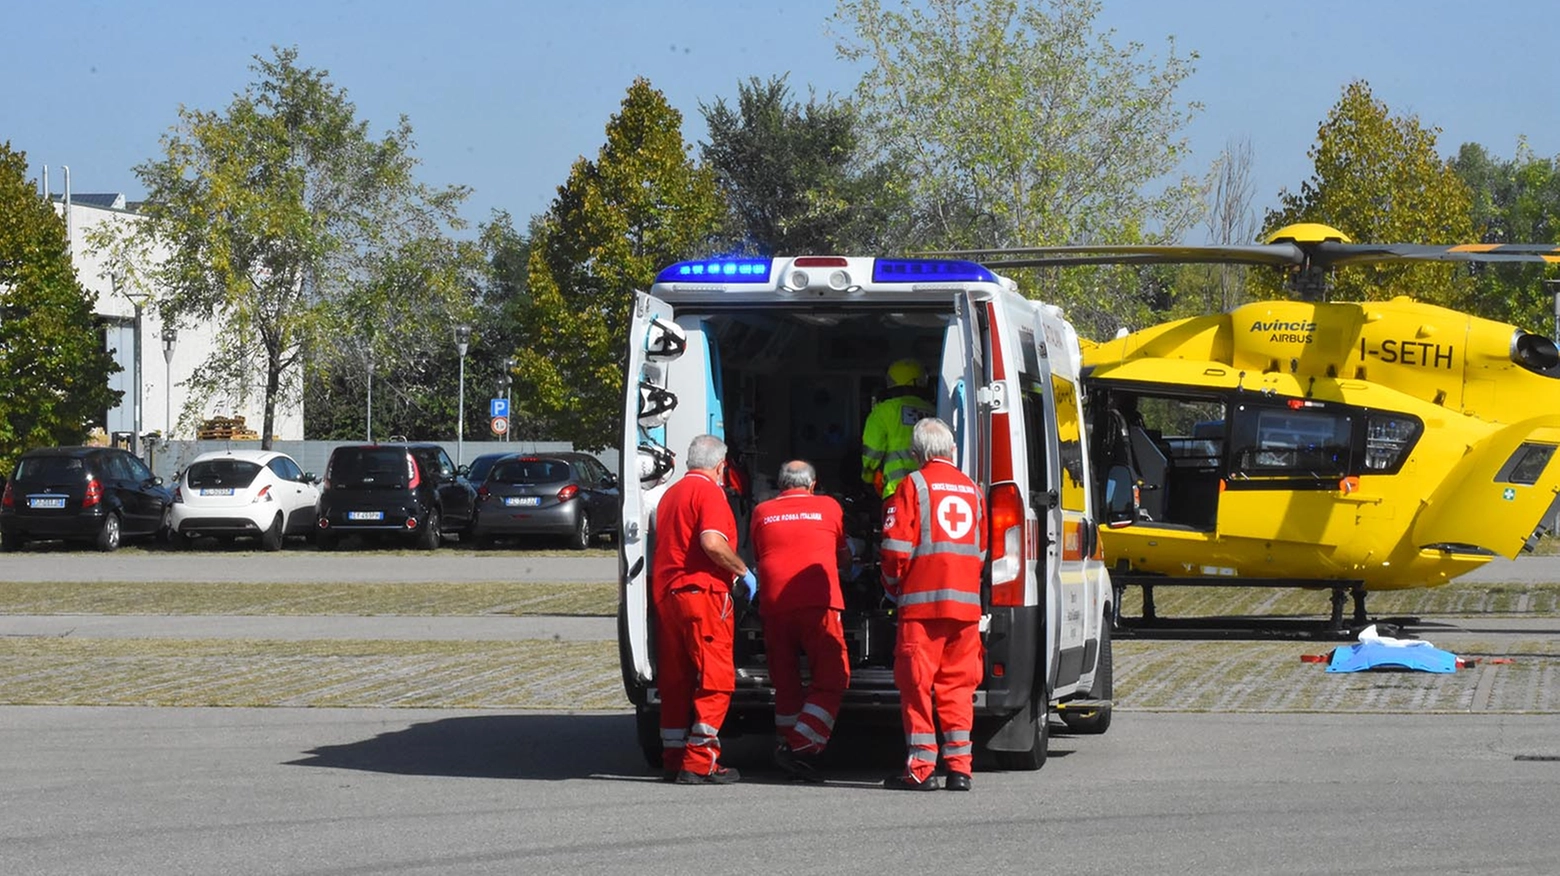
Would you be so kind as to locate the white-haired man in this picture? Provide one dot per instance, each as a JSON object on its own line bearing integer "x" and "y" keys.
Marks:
{"x": 696, "y": 565}
{"x": 934, "y": 545}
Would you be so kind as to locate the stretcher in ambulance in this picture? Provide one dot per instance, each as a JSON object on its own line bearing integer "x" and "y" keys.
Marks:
{"x": 781, "y": 358}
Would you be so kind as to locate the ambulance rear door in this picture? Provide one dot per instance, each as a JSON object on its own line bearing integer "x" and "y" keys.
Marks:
{"x": 653, "y": 346}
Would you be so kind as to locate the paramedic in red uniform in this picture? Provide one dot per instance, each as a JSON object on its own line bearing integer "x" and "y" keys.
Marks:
{"x": 934, "y": 545}
{"x": 799, "y": 539}
{"x": 696, "y": 564}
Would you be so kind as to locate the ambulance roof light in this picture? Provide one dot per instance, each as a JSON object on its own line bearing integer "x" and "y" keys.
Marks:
{"x": 717, "y": 271}
{"x": 929, "y": 270}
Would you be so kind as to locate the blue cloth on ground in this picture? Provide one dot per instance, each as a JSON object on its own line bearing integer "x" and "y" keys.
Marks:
{"x": 1380, "y": 655}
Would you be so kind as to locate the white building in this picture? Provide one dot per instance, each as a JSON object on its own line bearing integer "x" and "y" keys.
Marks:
{"x": 166, "y": 404}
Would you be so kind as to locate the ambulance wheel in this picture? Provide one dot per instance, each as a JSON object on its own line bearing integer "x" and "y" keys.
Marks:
{"x": 1034, "y": 758}
{"x": 1104, "y": 689}
{"x": 647, "y": 726}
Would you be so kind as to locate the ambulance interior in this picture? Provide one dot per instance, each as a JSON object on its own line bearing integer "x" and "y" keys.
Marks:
{"x": 798, "y": 384}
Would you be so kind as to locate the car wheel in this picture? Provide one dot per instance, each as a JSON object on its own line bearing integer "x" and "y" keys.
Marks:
{"x": 1104, "y": 688}
{"x": 11, "y": 541}
{"x": 108, "y": 537}
{"x": 582, "y": 533}
{"x": 325, "y": 541}
{"x": 428, "y": 539}
{"x": 647, "y": 729}
{"x": 271, "y": 539}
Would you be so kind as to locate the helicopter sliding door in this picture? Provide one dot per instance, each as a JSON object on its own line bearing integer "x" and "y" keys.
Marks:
{"x": 1174, "y": 444}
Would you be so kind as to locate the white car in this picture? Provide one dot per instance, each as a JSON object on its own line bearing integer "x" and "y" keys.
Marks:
{"x": 237, "y": 493}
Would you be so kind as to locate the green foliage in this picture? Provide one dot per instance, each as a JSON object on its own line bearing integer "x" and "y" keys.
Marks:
{"x": 640, "y": 205}
{"x": 415, "y": 374}
{"x": 1019, "y": 124}
{"x": 1379, "y": 179}
{"x": 56, "y": 370}
{"x": 280, "y": 216}
{"x": 1514, "y": 201}
{"x": 790, "y": 173}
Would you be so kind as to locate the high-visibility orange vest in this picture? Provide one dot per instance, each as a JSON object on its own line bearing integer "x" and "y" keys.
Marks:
{"x": 934, "y": 544}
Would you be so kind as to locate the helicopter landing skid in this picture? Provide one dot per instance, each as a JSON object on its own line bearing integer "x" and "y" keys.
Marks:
{"x": 1334, "y": 627}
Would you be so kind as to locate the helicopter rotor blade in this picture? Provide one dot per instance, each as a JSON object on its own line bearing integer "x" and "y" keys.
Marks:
{"x": 1277, "y": 254}
{"x": 1334, "y": 254}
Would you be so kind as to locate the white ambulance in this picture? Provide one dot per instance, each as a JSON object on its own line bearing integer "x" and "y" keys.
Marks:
{"x": 781, "y": 358}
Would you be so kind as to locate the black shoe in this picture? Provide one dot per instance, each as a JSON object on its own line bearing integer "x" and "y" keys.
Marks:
{"x": 718, "y": 776}
{"x": 797, "y": 766}
{"x": 903, "y": 782}
{"x": 669, "y": 776}
{"x": 957, "y": 782}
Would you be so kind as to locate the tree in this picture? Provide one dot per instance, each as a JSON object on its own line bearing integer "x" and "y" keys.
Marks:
{"x": 640, "y": 205}
{"x": 50, "y": 351}
{"x": 1229, "y": 219}
{"x": 1514, "y": 201}
{"x": 1017, "y": 124}
{"x": 1379, "y": 179}
{"x": 793, "y": 173}
{"x": 277, "y": 215}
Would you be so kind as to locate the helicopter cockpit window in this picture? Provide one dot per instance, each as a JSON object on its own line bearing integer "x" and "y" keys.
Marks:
{"x": 1291, "y": 443}
{"x": 1526, "y": 464}
{"x": 1388, "y": 438}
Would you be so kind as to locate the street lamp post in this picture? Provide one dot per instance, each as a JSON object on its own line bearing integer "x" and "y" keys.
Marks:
{"x": 509, "y": 379}
{"x": 170, "y": 336}
{"x": 139, "y": 303}
{"x": 368, "y": 422}
{"x": 462, "y": 343}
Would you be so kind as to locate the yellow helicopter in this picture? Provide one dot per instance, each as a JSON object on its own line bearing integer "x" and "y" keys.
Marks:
{"x": 1354, "y": 446}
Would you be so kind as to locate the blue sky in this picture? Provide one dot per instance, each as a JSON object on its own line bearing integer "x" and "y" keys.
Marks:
{"x": 503, "y": 97}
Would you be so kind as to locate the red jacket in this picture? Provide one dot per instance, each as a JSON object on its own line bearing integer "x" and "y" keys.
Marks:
{"x": 797, "y": 537}
{"x": 934, "y": 544}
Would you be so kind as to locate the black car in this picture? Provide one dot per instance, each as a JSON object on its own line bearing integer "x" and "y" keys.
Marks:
{"x": 409, "y": 490}
{"x": 563, "y": 494}
{"x": 94, "y": 495}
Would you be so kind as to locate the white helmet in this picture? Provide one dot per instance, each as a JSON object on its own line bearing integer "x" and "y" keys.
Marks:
{"x": 655, "y": 404}
{"x": 656, "y": 464}
{"x": 664, "y": 340}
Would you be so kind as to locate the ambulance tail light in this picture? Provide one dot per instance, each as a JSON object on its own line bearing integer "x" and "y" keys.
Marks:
{"x": 1007, "y": 545}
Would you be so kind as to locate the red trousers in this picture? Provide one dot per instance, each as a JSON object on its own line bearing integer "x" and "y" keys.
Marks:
{"x": 804, "y": 716}
{"x": 695, "y": 674}
{"x": 938, "y": 663}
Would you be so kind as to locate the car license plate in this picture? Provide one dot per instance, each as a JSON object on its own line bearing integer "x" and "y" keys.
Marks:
{"x": 522, "y": 501}
{"x": 365, "y": 515}
{"x": 216, "y": 491}
{"x": 46, "y": 501}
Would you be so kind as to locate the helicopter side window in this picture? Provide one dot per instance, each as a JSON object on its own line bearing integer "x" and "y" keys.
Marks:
{"x": 1284, "y": 442}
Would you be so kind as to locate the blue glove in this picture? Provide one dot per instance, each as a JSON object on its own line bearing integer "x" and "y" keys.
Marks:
{"x": 750, "y": 581}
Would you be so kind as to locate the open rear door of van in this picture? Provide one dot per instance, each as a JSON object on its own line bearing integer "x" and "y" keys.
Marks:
{"x": 649, "y": 345}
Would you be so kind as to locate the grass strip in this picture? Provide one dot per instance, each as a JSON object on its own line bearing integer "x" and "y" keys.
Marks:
{"x": 296, "y": 599}
{"x": 544, "y": 674}
{"x": 538, "y": 674}
{"x": 1186, "y": 676}
{"x": 1450, "y": 600}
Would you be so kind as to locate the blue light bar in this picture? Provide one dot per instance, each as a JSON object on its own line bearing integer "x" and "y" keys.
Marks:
{"x": 929, "y": 270}
{"x": 717, "y": 271}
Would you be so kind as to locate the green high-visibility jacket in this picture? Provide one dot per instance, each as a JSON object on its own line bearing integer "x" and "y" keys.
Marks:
{"x": 885, "y": 440}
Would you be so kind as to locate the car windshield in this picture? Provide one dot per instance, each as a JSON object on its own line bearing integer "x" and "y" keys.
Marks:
{"x": 50, "y": 469}
{"x": 530, "y": 471}
{"x": 481, "y": 465}
{"x": 222, "y": 473}
{"x": 369, "y": 467}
